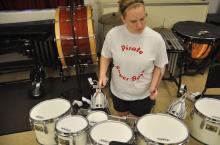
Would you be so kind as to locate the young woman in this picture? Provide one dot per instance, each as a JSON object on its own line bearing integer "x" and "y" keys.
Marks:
{"x": 139, "y": 58}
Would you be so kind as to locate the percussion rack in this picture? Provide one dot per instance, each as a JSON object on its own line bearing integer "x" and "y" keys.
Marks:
{"x": 175, "y": 56}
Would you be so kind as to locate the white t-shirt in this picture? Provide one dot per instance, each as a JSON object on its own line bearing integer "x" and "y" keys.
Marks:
{"x": 134, "y": 57}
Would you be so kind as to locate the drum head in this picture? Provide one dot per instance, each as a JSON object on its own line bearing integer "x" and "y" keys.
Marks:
{"x": 72, "y": 124}
{"x": 96, "y": 116}
{"x": 209, "y": 107}
{"x": 107, "y": 131}
{"x": 49, "y": 109}
{"x": 162, "y": 128}
{"x": 192, "y": 29}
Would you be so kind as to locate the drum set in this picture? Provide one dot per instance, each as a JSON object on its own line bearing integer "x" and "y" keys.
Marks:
{"x": 53, "y": 122}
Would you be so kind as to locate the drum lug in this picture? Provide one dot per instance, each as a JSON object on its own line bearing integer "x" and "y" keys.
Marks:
{"x": 191, "y": 114}
{"x": 64, "y": 142}
{"x": 202, "y": 123}
{"x": 45, "y": 128}
{"x": 73, "y": 141}
{"x": 31, "y": 125}
{"x": 151, "y": 143}
{"x": 56, "y": 139}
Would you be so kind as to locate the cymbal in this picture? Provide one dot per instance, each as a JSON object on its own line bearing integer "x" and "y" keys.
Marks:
{"x": 110, "y": 19}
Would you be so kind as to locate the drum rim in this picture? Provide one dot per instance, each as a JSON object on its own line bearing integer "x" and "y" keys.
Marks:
{"x": 51, "y": 119}
{"x": 95, "y": 142}
{"x": 196, "y": 110}
{"x": 197, "y": 38}
{"x": 66, "y": 134}
{"x": 146, "y": 138}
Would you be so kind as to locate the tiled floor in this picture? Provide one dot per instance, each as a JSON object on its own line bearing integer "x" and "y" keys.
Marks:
{"x": 167, "y": 94}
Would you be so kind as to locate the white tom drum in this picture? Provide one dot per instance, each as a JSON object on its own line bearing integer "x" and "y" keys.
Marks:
{"x": 72, "y": 130}
{"x": 43, "y": 117}
{"x": 96, "y": 116}
{"x": 154, "y": 129}
{"x": 104, "y": 132}
{"x": 205, "y": 121}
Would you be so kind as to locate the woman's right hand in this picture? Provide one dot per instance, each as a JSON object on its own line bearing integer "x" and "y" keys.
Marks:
{"x": 103, "y": 81}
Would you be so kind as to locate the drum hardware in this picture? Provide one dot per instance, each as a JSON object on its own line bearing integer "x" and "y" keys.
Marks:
{"x": 40, "y": 128}
{"x": 202, "y": 123}
{"x": 69, "y": 7}
{"x": 37, "y": 76}
{"x": 78, "y": 103}
{"x": 83, "y": 54}
{"x": 98, "y": 99}
{"x": 65, "y": 142}
{"x": 178, "y": 107}
{"x": 182, "y": 89}
{"x": 78, "y": 38}
{"x": 78, "y": 19}
{"x": 117, "y": 118}
{"x": 84, "y": 65}
{"x": 203, "y": 33}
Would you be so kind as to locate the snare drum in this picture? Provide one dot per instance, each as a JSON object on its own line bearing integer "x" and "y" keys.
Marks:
{"x": 106, "y": 131}
{"x": 43, "y": 117}
{"x": 96, "y": 116}
{"x": 205, "y": 121}
{"x": 161, "y": 129}
{"x": 72, "y": 130}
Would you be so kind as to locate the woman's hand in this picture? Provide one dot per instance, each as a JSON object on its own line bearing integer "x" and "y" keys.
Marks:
{"x": 153, "y": 93}
{"x": 103, "y": 81}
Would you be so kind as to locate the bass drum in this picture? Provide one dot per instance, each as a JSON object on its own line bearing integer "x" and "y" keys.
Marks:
{"x": 83, "y": 48}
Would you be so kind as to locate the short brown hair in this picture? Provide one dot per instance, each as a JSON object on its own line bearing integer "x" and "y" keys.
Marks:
{"x": 124, "y": 4}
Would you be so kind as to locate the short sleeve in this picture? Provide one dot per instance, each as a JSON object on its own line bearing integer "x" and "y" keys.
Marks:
{"x": 106, "y": 48}
{"x": 161, "y": 55}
